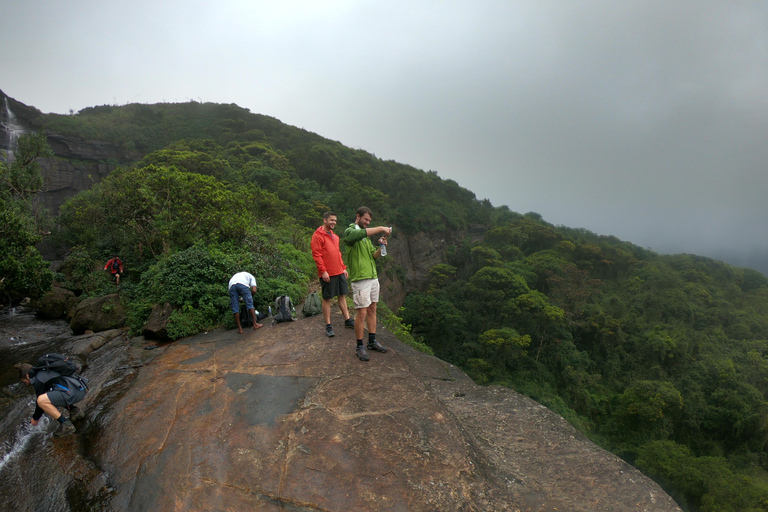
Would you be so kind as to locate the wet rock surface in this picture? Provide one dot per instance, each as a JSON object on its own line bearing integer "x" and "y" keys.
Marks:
{"x": 284, "y": 418}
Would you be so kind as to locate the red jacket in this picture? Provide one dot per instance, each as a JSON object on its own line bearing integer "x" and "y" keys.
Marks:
{"x": 109, "y": 267}
{"x": 326, "y": 252}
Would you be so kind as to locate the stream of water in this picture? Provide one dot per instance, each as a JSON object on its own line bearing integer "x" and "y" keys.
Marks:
{"x": 39, "y": 471}
{"x": 12, "y": 129}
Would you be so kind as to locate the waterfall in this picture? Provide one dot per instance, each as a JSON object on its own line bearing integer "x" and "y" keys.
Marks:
{"x": 12, "y": 130}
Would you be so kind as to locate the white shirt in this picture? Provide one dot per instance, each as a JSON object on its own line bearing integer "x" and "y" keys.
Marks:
{"x": 242, "y": 278}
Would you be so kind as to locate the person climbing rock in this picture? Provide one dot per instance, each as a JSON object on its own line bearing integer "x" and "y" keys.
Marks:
{"x": 53, "y": 391}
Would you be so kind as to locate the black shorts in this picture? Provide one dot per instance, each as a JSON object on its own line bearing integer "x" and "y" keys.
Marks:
{"x": 337, "y": 286}
{"x": 66, "y": 397}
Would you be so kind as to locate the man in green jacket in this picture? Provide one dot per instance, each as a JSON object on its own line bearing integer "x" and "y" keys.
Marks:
{"x": 361, "y": 260}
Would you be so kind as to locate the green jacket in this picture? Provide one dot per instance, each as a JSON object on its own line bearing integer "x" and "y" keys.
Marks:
{"x": 360, "y": 261}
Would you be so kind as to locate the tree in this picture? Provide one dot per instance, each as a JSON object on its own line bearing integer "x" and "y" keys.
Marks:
{"x": 22, "y": 179}
{"x": 22, "y": 269}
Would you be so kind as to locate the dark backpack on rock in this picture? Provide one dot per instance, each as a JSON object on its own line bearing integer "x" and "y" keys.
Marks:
{"x": 312, "y": 305}
{"x": 283, "y": 309}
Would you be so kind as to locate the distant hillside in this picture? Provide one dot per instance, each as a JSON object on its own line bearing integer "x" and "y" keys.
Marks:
{"x": 661, "y": 359}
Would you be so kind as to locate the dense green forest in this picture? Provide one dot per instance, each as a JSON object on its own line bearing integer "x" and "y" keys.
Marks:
{"x": 662, "y": 359}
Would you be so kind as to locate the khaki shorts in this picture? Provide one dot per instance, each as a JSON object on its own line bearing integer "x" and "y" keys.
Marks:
{"x": 365, "y": 292}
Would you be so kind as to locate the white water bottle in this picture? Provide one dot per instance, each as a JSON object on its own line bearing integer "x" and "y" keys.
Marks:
{"x": 383, "y": 249}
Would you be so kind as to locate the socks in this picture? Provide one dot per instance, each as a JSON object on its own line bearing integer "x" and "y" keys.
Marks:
{"x": 359, "y": 343}
{"x": 371, "y": 337}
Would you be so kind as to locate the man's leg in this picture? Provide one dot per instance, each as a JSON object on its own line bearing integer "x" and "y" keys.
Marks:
{"x": 237, "y": 321}
{"x": 342, "y": 306}
{"x": 327, "y": 310}
{"x": 234, "y": 304}
{"x": 371, "y": 319}
{"x": 373, "y": 343}
{"x": 45, "y": 404}
{"x": 117, "y": 277}
{"x": 326, "y": 307}
{"x": 360, "y": 317}
{"x": 65, "y": 425}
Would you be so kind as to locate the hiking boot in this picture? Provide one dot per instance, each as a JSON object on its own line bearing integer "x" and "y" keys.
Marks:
{"x": 64, "y": 429}
{"x": 362, "y": 354}
{"x": 378, "y": 347}
{"x": 329, "y": 331}
{"x": 349, "y": 323}
{"x": 75, "y": 413}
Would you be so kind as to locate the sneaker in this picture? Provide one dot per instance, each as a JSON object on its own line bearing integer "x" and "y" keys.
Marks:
{"x": 375, "y": 345}
{"x": 349, "y": 323}
{"x": 329, "y": 331}
{"x": 362, "y": 354}
{"x": 64, "y": 429}
{"x": 75, "y": 413}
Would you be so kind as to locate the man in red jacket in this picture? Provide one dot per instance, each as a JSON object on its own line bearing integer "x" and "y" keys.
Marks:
{"x": 115, "y": 266}
{"x": 332, "y": 271}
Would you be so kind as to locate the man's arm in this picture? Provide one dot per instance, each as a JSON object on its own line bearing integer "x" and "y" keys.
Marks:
{"x": 317, "y": 253}
{"x": 385, "y": 230}
{"x": 352, "y": 235}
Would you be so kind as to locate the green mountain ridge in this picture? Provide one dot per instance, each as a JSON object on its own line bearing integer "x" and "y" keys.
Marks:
{"x": 662, "y": 359}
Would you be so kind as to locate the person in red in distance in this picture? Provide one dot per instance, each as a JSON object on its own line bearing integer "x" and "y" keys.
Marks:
{"x": 115, "y": 266}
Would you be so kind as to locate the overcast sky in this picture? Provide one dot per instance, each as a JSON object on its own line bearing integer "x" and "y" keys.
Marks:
{"x": 642, "y": 119}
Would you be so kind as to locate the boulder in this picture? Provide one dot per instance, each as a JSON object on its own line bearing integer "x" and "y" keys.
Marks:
{"x": 283, "y": 418}
{"x": 88, "y": 342}
{"x": 71, "y": 307}
{"x": 98, "y": 314}
{"x": 53, "y": 305}
{"x": 156, "y": 327}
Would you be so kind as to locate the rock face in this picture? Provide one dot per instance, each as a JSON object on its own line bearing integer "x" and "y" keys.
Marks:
{"x": 410, "y": 258}
{"x": 55, "y": 303}
{"x": 98, "y": 314}
{"x": 156, "y": 327}
{"x": 284, "y": 418}
{"x": 78, "y": 165}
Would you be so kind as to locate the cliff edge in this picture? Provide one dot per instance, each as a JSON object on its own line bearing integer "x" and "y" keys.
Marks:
{"x": 284, "y": 418}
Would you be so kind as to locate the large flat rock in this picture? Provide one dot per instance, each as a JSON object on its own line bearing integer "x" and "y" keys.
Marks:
{"x": 284, "y": 418}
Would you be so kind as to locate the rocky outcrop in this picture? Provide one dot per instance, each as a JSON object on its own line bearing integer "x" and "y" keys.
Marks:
{"x": 54, "y": 304}
{"x": 87, "y": 343}
{"x": 284, "y": 418}
{"x": 411, "y": 256}
{"x": 156, "y": 327}
{"x": 98, "y": 314}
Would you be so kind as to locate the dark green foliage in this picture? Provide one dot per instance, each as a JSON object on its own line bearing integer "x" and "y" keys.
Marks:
{"x": 661, "y": 359}
{"x": 85, "y": 275}
{"x": 635, "y": 349}
{"x": 23, "y": 273}
{"x": 194, "y": 281}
